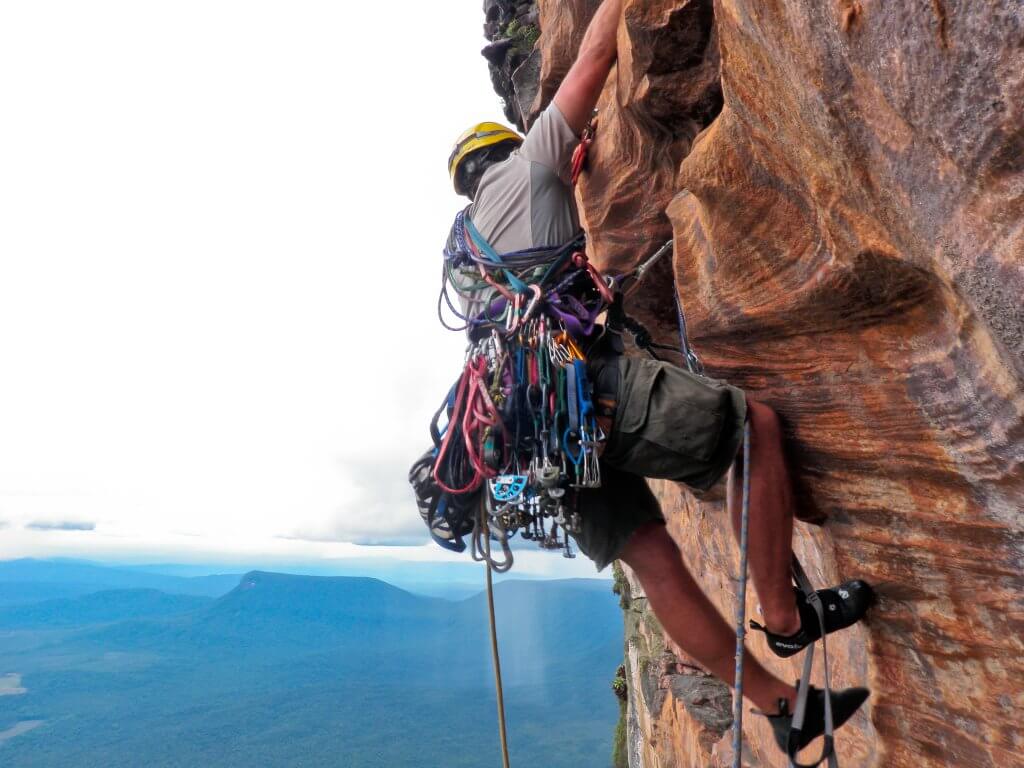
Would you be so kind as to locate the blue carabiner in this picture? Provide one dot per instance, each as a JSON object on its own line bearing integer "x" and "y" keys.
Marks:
{"x": 578, "y": 458}
{"x": 586, "y": 405}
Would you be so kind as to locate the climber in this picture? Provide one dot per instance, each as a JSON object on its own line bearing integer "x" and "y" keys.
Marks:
{"x": 661, "y": 421}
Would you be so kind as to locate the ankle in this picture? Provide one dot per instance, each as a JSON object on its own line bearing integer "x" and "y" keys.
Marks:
{"x": 772, "y": 706}
{"x": 783, "y": 622}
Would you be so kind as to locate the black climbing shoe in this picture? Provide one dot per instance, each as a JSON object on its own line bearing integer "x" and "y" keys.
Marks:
{"x": 844, "y": 605}
{"x": 844, "y": 704}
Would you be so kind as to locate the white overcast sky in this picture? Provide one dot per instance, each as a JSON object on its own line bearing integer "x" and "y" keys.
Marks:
{"x": 220, "y": 225}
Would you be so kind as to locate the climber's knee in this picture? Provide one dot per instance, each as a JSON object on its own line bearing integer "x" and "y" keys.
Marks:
{"x": 765, "y": 426}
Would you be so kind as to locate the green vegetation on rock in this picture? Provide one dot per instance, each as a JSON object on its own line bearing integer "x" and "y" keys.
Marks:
{"x": 620, "y": 585}
{"x": 619, "y": 684}
{"x": 524, "y": 36}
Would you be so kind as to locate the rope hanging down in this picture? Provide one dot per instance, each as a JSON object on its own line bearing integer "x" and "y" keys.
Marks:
{"x": 741, "y": 607}
{"x": 495, "y": 656}
{"x": 694, "y": 365}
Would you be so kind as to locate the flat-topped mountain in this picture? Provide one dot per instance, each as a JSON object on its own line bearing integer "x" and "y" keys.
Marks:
{"x": 288, "y": 670}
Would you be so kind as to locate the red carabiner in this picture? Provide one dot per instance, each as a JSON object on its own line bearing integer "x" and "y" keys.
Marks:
{"x": 580, "y": 260}
{"x": 494, "y": 284}
{"x": 579, "y": 155}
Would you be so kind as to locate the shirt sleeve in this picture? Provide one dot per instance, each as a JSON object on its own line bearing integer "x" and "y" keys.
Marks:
{"x": 551, "y": 142}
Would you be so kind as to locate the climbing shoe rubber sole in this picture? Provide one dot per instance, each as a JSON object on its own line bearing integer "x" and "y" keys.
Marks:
{"x": 844, "y": 704}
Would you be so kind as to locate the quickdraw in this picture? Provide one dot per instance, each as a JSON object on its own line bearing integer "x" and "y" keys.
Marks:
{"x": 579, "y": 155}
{"x": 521, "y": 425}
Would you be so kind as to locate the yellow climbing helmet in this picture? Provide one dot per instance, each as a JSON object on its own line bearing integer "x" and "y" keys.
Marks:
{"x": 479, "y": 136}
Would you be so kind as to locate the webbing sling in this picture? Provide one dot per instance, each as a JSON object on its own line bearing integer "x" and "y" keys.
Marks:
{"x": 518, "y": 285}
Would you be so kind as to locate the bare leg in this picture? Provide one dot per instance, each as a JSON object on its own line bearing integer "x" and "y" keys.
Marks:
{"x": 770, "y": 541}
{"x": 690, "y": 618}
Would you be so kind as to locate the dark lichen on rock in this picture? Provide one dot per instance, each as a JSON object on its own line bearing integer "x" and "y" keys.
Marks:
{"x": 513, "y": 30}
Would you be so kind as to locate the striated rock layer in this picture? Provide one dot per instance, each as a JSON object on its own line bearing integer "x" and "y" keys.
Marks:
{"x": 844, "y": 183}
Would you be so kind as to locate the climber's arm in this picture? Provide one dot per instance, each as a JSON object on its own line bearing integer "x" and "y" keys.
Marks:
{"x": 578, "y": 93}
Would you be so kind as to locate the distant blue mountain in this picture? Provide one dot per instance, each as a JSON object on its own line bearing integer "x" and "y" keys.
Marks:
{"x": 281, "y": 612}
{"x": 269, "y": 614}
{"x": 99, "y": 607}
{"x": 69, "y": 577}
{"x": 321, "y": 599}
{"x": 309, "y": 672}
{"x": 23, "y": 592}
{"x": 28, "y": 580}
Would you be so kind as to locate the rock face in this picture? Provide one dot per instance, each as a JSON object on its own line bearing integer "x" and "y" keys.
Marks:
{"x": 844, "y": 184}
{"x": 512, "y": 28}
{"x": 674, "y": 708}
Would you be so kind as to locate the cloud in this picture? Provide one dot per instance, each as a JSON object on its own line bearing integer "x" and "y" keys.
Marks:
{"x": 62, "y": 525}
{"x": 4, "y": 524}
{"x": 380, "y": 511}
{"x": 301, "y": 383}
{"x": 364, "y": 539}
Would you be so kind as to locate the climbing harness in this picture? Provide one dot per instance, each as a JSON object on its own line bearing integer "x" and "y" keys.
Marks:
{"x": 520, "y": 423}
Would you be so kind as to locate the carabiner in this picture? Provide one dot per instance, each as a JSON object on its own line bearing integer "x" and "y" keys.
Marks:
{"x": 495, "y": 285}
{"x": 534, "y": 302}
{"x": 580, "y": 260}
{"x": 512, "y": 320}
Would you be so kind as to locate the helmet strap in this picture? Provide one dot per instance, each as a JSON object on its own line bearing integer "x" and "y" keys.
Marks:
{"x": 472, "y": 169}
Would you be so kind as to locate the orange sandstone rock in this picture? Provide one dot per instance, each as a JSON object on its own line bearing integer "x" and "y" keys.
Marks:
{"x": 844, "y": 182}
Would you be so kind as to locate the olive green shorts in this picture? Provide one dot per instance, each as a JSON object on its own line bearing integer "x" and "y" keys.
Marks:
{"x": 669, "y": 424}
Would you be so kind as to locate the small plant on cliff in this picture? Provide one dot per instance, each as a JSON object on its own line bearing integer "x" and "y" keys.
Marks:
{"x": 619, "y": 685}
{"x": 620, "y": 586}
{"x": 524, "y": 36}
